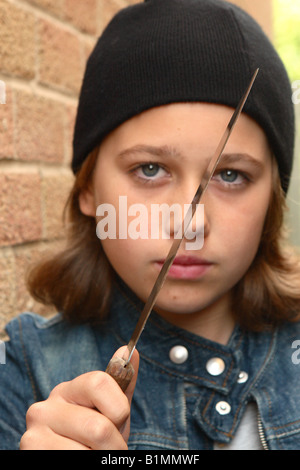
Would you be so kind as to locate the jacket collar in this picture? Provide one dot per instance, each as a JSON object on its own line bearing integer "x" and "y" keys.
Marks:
{"x": 245, "y": 356}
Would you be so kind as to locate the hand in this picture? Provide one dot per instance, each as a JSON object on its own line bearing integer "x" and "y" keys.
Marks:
{"x": 89, "y": 412}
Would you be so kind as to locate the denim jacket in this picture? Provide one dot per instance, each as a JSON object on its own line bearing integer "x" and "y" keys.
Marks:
{"x": 176, "y": 406}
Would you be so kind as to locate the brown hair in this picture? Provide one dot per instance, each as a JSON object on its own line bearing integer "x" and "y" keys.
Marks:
{"x": 269, "y": 293}
{"x": 78, "y": 281}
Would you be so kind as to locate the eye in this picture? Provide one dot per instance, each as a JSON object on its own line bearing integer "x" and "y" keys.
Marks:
{"x": 149, "y": 172}
{"x": 230, "y": 178}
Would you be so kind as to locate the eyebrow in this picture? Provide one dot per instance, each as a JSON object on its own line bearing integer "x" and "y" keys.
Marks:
{"x": 168, "y": 151}
{"x": 161, "y": 151}
{"x": 230, "y": 158}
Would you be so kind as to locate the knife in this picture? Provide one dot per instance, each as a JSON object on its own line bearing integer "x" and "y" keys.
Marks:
{"x": 120, "y": 368}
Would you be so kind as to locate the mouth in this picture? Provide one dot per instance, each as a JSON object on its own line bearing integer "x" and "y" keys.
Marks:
{"x": 187, "y": 267}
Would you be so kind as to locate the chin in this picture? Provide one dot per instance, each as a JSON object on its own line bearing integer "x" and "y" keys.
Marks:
{"x": 179, "y": 308}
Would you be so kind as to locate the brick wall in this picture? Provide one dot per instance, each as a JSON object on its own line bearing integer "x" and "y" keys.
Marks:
{"x": 44, "y": 45}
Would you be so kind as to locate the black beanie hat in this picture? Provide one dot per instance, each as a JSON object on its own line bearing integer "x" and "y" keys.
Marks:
{"x": 167, "y": 51}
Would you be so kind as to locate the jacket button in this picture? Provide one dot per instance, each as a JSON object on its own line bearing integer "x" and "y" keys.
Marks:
{"x": 243, "y": 377}
{"x": 178, "y": 354}
{"x": 215, "y": 366}
{"x": 223, "y": 408}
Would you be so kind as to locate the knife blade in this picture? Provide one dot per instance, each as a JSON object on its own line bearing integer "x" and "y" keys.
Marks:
{"x": 120, "y": 368}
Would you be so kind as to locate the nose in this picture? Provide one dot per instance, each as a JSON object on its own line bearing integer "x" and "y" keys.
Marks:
{"x": 193, "y": 222}
{"x": 199, "y": 225}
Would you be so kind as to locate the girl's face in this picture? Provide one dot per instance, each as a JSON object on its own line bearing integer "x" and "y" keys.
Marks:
{"x": 160, "y": 157}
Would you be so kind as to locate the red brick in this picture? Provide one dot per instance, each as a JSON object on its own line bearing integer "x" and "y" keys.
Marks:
{"x": 56, "y": 189}
{"x": 59, "y": 59}
{"x": 20, "y": 208}
{"x": 7, "y": 126}
{"x": 83, "y": 15}
{"x": 55, "y": 7}
{"x": 17, "y": 41}
{"x": 39, "y": 128}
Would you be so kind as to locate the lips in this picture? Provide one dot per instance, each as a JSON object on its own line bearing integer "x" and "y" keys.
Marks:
{"x": 187, "y": 267}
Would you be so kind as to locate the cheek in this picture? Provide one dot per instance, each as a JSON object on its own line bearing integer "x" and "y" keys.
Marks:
{"x": 243, "y": 234}
{"x": 120, "y": 252}
{"x": 128, "y": 258}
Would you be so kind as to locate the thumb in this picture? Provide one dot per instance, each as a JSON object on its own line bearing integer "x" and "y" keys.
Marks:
{"x": 125, "y": 375}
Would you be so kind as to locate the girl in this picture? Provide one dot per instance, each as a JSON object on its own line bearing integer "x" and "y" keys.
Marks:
{"x": 215, "y": 365}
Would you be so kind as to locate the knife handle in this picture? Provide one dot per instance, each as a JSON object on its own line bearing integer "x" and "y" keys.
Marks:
{"x": 122, "y": 372}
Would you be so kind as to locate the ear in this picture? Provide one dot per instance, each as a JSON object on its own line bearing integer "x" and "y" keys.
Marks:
{"x": 87, "y": 202}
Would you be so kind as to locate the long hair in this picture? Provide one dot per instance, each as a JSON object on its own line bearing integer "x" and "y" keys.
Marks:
{"x": 269, "y": 293}
{"x": 78, "y": 281}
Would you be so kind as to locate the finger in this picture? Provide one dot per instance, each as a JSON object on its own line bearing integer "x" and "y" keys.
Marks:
{"x": 65, "y": 422}
{"x": 96, "y": 390}
{"x": 45, "y": 439}
{"x": 89, "y": 427}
